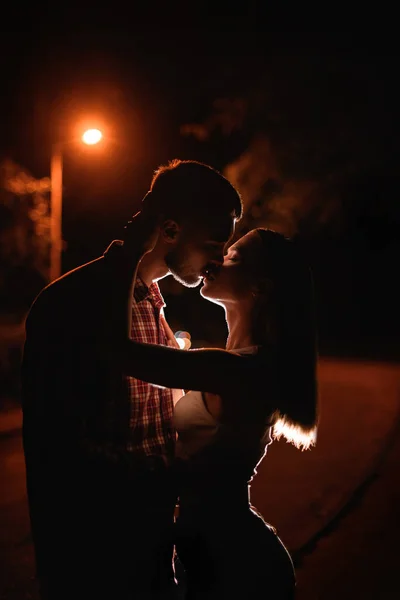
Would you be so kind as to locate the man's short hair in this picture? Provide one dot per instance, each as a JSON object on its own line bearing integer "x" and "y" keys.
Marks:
{"x": 187, "y": 189}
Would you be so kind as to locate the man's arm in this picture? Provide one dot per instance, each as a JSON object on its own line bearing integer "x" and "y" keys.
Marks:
{"x": 55, "y": 410}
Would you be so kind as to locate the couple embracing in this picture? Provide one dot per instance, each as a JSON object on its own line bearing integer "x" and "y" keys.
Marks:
{"x": 137, "y": 489}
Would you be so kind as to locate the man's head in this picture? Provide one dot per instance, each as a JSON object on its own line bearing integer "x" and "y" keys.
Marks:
{"x": 199, "y": 207}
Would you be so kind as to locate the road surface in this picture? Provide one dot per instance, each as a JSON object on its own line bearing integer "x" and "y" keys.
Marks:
{"x": 354, "y": 469}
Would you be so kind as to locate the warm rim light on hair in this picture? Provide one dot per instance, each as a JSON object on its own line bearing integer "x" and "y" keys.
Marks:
{"x": 92, "y": 136}
{"x": 294, "y": 434}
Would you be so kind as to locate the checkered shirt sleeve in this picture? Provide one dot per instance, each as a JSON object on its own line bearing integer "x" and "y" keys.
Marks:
{"x": 151, "y": 408}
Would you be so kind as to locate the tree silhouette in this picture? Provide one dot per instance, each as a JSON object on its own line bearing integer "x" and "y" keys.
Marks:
{"x": 24, "y": 236}
{"x": 309, "y": 138}
{"x": 305, "y": 128}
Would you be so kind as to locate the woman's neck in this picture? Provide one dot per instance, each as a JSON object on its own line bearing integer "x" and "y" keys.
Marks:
{"x": 240, "y": 327}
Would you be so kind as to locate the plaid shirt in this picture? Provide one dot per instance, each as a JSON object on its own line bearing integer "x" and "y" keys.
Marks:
{"x": 151, "y": 408}
{"x": 150, "y": 430}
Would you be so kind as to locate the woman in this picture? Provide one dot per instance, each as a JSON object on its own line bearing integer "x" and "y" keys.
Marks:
{"x": 262, "y": 387}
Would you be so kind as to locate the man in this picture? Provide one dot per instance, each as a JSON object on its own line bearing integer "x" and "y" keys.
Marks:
{"x": 97, "y": 444}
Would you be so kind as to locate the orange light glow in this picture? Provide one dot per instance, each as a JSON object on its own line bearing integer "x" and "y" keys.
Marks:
{"x": 92, "y": 136}
{"x": 184, "y": 340}
{"x": 181, "y": 343}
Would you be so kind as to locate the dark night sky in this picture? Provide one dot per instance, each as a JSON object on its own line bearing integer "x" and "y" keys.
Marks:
{"x": 141, "y": 84}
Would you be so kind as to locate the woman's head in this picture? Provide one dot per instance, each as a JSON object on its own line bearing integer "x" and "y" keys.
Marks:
{"x": 264, "y": 273}
{"x": 237, "y": 281}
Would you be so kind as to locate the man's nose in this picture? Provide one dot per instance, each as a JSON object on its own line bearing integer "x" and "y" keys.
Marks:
{"x": 217, "y": 261}
{"x": 215, "y": 265}
{"x": 218, "y": 256}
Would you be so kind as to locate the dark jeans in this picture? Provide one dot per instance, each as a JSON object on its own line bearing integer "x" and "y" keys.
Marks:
{"x": 105, "y": 585}
{"x": 233, "y": 555}
{"x": 104, "y": 590}
{"x": 118, "y": 556}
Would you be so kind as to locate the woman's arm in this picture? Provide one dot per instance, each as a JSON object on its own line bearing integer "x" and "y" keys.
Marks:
{"x": 208, "y": 370}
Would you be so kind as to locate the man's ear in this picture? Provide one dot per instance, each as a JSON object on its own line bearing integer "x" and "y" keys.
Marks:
{"x": 169, "y": 231}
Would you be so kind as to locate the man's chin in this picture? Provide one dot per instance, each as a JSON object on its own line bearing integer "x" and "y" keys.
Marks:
{"x": 190, "y": 282}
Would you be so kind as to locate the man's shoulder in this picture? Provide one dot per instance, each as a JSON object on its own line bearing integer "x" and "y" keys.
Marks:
{"x": 76, "y": 284}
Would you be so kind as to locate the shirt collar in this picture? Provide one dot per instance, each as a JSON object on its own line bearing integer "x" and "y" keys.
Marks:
{"x": 141, "y": 291}
{"x": 151, "y": 293}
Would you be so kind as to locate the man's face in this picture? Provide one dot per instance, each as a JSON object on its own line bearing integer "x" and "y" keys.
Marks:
{"x": 198, "y": 249}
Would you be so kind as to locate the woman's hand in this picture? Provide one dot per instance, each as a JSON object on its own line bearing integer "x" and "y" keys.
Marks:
{"x": 141, "y": 234}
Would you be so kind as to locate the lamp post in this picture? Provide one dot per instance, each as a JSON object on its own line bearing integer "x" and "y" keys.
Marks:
{"x": 55, "y": 212}
{"x": 90, "y": 137}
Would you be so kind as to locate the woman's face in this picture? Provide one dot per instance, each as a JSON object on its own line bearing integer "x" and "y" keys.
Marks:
{"x": 234, "y": 281}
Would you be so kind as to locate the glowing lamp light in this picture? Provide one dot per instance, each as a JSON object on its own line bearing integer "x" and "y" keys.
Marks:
{"x": 92, "y": 136}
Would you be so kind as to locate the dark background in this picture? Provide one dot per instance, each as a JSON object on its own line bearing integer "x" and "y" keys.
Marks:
{"x": 306, "y": 123}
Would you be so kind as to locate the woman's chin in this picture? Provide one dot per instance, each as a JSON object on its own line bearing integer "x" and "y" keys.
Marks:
{"x": 212, "y": 290}
{"x": 206, "y": 289}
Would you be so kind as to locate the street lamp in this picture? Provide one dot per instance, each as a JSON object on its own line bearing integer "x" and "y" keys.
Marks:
{"x": 90, "y": 137}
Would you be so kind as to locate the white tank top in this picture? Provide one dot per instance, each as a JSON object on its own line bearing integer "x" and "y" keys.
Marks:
{"x": 196, "y": 426}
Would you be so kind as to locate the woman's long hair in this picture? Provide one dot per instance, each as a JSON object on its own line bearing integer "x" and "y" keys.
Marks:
{"x": 290, "y": 303}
